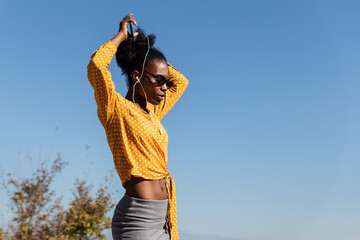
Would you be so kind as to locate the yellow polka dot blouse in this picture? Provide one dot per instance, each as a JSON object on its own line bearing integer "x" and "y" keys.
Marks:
{"x": 137, "y": 140}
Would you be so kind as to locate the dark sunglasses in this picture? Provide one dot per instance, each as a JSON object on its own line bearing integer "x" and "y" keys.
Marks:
{"x": 160, "y": 80}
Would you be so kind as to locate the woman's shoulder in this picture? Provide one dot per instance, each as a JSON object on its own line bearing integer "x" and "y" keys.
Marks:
{"x": 124, "y": 105}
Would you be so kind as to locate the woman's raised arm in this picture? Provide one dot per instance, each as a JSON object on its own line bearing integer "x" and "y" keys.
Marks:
{"x": 99, "y": 75}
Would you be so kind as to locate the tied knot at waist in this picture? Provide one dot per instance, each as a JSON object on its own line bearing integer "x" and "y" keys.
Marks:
{"x": 170, "y": 186}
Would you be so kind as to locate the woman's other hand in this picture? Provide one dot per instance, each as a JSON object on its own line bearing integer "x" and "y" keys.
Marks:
{"x": 123, "y": 34}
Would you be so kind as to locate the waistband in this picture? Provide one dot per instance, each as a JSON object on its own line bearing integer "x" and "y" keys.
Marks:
{"x": 143, "y": 208}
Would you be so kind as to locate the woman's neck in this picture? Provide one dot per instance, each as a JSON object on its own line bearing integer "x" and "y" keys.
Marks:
{"x": 137, "y": 99}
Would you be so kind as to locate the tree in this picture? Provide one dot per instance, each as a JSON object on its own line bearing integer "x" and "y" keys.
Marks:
{"x": 38, "y": 216}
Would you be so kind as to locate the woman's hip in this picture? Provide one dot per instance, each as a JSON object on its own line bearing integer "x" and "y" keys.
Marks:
{"x": 136, "y": 218}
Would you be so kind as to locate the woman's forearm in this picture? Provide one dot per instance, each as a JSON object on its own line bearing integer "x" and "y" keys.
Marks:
{"x": 118, "y": 38}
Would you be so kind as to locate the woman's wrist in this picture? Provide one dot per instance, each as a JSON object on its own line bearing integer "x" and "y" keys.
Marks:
{"x": 119, "y": 38}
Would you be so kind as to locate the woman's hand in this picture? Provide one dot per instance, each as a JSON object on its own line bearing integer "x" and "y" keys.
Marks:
{"x": 123, "y": 26}
{"x": 123, "y": 35}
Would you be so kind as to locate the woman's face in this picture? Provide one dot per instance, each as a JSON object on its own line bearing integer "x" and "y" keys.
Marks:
{"x": 155, "y": 71}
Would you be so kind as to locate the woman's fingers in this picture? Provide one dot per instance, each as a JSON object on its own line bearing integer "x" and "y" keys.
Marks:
{"x": 131, "y": 18}
{"x": 123, "y": 24}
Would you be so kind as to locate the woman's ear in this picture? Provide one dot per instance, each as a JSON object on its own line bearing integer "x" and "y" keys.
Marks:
{"x": 135, "y": 76}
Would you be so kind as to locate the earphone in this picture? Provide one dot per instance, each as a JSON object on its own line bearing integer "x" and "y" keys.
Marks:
{"x": 142, "y": 71}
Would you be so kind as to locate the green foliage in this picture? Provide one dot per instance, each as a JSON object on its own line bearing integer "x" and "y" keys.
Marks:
{"x": 38, "y": 216}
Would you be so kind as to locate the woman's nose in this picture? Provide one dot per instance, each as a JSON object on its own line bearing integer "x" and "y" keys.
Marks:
{"x": 163, "y": 87}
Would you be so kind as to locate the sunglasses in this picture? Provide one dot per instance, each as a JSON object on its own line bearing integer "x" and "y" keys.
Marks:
{"x": 160, "y": 80}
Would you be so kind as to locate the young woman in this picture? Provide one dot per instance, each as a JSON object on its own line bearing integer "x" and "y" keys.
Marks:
{"x": 134, "y": 133}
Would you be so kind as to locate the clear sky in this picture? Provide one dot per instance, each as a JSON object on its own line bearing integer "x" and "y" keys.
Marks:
{"x": 263, "y": 145}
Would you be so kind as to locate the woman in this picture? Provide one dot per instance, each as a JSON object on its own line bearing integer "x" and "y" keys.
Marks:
{"x": 135, "y": 135}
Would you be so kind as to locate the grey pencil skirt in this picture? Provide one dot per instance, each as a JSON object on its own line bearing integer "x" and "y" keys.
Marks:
{"x": 140, "y": 219}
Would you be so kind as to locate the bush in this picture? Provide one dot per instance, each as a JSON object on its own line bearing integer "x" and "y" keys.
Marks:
{"x": 38, "y": 216}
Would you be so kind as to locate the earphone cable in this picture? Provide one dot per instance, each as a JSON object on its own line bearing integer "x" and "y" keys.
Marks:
{"x": 142, "y": 71}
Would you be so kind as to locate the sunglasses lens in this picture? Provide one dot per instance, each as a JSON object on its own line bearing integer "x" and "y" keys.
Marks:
{"x": 161, "y": 82}
{"x": 169, "y": 84}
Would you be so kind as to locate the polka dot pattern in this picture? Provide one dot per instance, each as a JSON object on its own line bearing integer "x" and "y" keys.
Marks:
{"x": 137, "y": 140}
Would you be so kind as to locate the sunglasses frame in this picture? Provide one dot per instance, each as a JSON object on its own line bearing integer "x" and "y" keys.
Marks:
{"x": 160, "y": 82}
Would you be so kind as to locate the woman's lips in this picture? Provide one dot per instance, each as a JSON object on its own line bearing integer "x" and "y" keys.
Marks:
{"x": 161, "y": 97}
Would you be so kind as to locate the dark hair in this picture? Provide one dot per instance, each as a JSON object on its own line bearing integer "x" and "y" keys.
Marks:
{"x": 130, "y": 55}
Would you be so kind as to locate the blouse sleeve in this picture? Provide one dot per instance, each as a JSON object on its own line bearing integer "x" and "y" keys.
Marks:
{"x": 172, "y": 94}
{"x": 100, "y": 80}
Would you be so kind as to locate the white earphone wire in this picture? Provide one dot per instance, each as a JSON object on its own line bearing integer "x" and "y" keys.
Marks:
{"x": 138, "y": 81}
{"x": 142, "y": 71}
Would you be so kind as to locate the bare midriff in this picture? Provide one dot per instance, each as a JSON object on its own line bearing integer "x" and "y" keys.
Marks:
{"x": 146, "y": 189}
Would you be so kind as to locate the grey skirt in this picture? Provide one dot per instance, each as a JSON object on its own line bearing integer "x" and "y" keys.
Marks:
{"x": 140, "y": 219}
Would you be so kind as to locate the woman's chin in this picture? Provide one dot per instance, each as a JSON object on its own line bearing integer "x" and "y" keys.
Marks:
{"x": 157, "y": 100}
{"x": 154, "y": 102}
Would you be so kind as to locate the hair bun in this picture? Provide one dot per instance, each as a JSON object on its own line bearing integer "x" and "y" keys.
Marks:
{"x": 130, "y": 52}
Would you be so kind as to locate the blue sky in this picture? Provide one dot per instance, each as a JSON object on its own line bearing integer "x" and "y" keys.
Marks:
{"x": 264, "y": 144}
